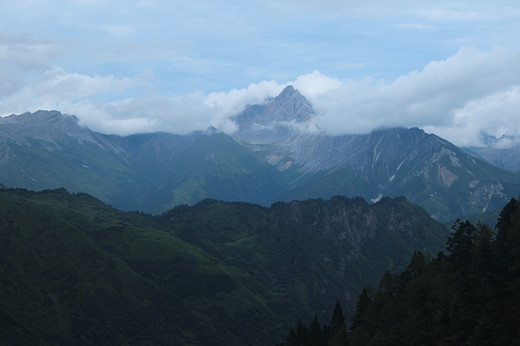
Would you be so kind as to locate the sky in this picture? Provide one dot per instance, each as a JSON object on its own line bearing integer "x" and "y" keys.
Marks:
{"x": 449, "y": 67}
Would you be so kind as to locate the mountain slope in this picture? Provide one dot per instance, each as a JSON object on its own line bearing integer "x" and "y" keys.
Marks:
{"x": 74, "y": 269}
{"x": 59, "y": 287}
{"x": 430, "y": 171}
{"x": 151, "y": 173}
{"x": 46, "y": 149}
{"x": 506, "y": 158}
{"x": 174, "y": 169}
{"x": 313, "y": 250}
{"x": 468, "y": 296}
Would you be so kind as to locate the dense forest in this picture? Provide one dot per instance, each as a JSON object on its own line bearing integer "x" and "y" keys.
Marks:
{"x": 469, "y": 296}
{"x": 76, "y": 271}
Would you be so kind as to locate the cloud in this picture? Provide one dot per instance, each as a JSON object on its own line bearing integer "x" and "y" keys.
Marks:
{"x": 496, "y": 114}
{"x": 231, "y": 103}
{"x": 458, "y": 93}
{"x": 313, "y": 84}
{"x": 54, "y": 87}
{"x": 22, "y": 58}
{"x": 458, "y": 98}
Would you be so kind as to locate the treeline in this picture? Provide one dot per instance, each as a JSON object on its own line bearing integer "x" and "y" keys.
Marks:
{"x": 469, "y": 296}
{"x": 317, "y": 335}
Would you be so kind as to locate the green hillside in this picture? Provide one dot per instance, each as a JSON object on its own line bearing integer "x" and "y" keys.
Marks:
{"x": 171, "y": 170}
{"x": 76, "y": 271}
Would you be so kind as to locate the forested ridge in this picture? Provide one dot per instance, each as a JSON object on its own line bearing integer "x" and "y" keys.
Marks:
{"x": 76, "y": 271}
{"x": 469, "y": 296}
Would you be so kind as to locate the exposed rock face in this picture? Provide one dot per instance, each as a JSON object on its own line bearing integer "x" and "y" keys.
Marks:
{"x": 289, "y": 106}
{"x": 50, "y": 129}
{"x": 425, "y": 168}
{"x": 47, "y": 149}
{"x": 273, "y": 121}
{"x": 314, "y": 251}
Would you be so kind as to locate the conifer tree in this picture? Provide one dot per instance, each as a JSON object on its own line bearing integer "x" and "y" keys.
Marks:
{"x": 363, "y": 302}
{"x": 460, "y": 243}
{"x": 338, "y": 330}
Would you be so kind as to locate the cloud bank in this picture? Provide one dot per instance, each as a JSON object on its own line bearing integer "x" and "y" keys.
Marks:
{"x": 459, "y": 98}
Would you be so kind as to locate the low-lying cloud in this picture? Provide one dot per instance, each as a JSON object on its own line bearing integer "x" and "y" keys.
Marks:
{"x": 459, "y": 98}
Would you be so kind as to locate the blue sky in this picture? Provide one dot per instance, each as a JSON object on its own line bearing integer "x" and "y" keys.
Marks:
{"x": 452, "y": 68}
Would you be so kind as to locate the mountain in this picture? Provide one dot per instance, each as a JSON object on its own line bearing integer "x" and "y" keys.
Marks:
{"x": 46, "y": 149}
{"x": 172, "y": 169}
{"x": 468, "y": 296}
{"x": 289, "y": 106}
{"x": 436, "y": 299}
{"x": 74, "y": 270}
{"x": 148, "y": 172}
{"x": 272, "y": 122}
{"x": 430, "y": 171}
{"x": 503, "y": 152}
{"x": 270, "y": 158}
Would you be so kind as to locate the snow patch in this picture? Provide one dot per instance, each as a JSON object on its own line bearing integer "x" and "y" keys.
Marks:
{"x": 377, "y": 199}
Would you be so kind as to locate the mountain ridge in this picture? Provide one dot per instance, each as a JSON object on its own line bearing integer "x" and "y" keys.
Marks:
{"x": 75, "y": 270}
{"x": 265, "y": 161}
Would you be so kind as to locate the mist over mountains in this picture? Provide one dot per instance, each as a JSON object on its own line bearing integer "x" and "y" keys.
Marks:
{"x": 272, "y": 156}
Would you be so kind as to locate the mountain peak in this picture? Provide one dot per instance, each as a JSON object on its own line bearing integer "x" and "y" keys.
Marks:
{"x": 289, "y": 106}
{"x": 288, "y": 91}
{"x": 46, "y": 126}
{"x": 293, "y": 98}
{"x": 40, "y": 118}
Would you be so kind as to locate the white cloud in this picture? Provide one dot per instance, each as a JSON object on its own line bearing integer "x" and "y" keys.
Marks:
{"x": 313, "y": 84}
{"x": 469, "y": 83}
{"x": 22, "y": 58}
{"x": 54, "y": 87}
{"x": 458, "y": 98}
{"x": 232, "y": 102}
{"x": 497, "y": 114}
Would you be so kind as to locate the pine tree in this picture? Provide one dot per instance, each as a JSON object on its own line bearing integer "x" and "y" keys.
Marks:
{"x": 316, "y": 335}
{"x": 460, "y": 243}
{"x": 338, "y": 331}
{"x": 363, "y": 302}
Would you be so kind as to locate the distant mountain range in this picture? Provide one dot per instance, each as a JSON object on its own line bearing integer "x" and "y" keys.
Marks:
{"x": 270, "y": 158}
{"x": 502, "y": 152}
